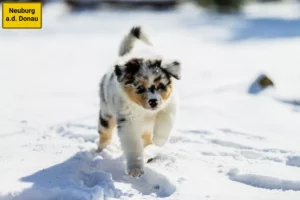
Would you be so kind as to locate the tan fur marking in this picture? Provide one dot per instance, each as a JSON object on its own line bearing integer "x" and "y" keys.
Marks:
{"x": 147, "y": 138}
{"x": 139, "y": 99}
{"x": 165, "y": 94}
{"x": 106, "y": 133}
{"x": 157, "y": 82}
{"x": 144, "y": 83}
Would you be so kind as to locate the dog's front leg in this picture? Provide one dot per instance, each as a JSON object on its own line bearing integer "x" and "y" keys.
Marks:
{"x": 132, "y": 145}
{"x": 164, "y": 124}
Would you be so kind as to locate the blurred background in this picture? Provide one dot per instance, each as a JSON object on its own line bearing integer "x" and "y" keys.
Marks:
{"x": 221, "y": 6}
{"x": 238, "y": 126}
{"x": 232, "y": 48}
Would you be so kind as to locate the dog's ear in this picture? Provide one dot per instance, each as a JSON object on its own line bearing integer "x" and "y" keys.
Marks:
{"x": 128, "y": 70}
{"x": 173, "y": 68}
{"x": 119, "y": 72}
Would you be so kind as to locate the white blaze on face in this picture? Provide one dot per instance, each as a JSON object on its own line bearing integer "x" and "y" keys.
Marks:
{"x": 154, "y": 95}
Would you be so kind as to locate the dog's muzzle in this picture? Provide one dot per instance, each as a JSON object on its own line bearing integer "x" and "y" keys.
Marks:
{"x": 153, "y": 103}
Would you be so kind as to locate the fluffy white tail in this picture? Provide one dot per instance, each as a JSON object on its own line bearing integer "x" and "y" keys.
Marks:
{"x": 129, "y": 40}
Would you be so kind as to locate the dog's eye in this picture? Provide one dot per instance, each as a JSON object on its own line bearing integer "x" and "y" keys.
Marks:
{"x": 140, "y": 89}
{"x": 161, "y": 87}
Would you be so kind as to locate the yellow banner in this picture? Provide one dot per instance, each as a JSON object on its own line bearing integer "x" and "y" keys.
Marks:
{"x": 22, "y": 15}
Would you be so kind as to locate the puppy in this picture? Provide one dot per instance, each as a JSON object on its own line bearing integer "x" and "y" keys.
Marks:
{"x": 138, "y": 95}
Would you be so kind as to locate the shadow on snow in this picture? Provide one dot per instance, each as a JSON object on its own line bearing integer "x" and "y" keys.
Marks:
{"x": 89, "y": 176}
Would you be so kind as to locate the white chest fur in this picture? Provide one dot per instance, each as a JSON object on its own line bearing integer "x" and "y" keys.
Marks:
{"x": 141, "y": 118}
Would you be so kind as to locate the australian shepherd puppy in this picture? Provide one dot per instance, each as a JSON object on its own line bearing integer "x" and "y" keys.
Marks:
{"x": 138, "y": 95}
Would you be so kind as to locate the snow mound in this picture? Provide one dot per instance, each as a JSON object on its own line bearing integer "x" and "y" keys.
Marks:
{"x": 88, "y": 176}
{"x": 264, "y": 182}
{"x": 69, "y": 180}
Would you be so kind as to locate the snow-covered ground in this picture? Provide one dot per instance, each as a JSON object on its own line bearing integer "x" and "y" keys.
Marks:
{"x": 229, "y": 144}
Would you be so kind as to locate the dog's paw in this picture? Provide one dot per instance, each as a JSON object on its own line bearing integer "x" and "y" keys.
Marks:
{"x": 135, "y": 171}
{"x": 159, "y": 141}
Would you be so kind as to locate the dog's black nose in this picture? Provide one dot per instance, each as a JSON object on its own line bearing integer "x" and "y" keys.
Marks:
{"x": 153, "y": 103}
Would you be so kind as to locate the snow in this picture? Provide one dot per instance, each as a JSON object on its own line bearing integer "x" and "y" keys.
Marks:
{"x": 293, "y": 161}
{"x": 229, "y": 143}
{"x": 264, "y": 181}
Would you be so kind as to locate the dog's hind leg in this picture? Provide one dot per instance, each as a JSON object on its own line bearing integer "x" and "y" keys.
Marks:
{"x": 106, "y": 126}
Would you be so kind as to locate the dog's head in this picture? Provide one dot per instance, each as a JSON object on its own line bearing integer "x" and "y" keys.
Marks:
{"x": 148, "y": 82}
